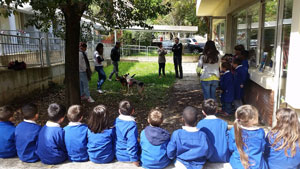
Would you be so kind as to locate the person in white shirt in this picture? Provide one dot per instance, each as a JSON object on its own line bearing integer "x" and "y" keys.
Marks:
{"x": 98, "y": 59}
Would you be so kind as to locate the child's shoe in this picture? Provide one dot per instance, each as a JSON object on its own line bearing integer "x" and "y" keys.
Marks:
{"x": 90, "y": 100}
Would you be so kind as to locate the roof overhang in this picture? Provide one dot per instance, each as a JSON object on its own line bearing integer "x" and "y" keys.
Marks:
{"x": 166, "y": 28}
{"x": 207, "y": 7}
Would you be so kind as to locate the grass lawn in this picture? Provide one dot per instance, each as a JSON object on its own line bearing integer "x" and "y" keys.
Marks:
{"x": 154, "y": 54}
{"x": 156, "y": 90}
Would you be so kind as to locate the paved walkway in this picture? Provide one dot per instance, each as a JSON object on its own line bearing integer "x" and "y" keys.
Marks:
{"x": 185, "y": 92}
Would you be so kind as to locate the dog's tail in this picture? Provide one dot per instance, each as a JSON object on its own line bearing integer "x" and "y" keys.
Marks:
{"x": 133, "y": 76}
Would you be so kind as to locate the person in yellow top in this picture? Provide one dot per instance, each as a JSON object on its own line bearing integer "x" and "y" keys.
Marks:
{"x": 209, "y": 63}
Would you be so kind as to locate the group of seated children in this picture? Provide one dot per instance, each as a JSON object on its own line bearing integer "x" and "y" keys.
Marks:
{"x": 234, "y": 76}
{"x": 244, "y": 146}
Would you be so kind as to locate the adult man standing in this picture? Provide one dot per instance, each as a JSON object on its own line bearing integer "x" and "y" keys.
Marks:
{"x": 115, "y": 57}
{"x": 177, "y": 57}
{"x": 84, "y": 74}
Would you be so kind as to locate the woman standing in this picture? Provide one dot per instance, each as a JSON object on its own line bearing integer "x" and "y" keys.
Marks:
{"x": 98, "y": 59}
{"x": 161, "y": 59}
{"x": 209, "y": 63}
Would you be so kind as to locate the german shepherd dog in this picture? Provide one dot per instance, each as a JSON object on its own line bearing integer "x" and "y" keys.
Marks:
{"x": 130, "y": 83}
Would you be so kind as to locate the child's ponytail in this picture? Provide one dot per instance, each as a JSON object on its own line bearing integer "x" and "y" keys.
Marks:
{"x": 246, "y": 116}
{"x": 240, "y": 144}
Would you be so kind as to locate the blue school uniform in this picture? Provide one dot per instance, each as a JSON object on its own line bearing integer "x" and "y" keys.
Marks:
{"x": 254, "y": 139}
{"x": 190, "y": 147}
{"x": 226, "y": 84}
{"x": 51, "y": 146}
{"x": 26, "y": 134}
{"x": 126, "y": 139}
{"x": 240, "y": 78}
{"x": 216, "y": 131}
{"x": 154, "y": 142}
{"x": 76, "y": 141}
{"x": 7, "y": 140}
{"x": 276, "y": 159}
{"x": 100, "y": 146}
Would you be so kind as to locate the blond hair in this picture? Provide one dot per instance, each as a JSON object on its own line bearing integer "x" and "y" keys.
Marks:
{"x": 286, "y": 133}
{"x": 245, "y": 115}
{"x": 155, "y": 118}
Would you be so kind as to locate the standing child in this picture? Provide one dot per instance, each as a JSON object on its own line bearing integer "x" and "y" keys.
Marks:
{"x": 51, "y": 141}
{"x": 161, "y": 59}
{"x": 239, "y": 80}
{"x": 226, "y": 84}
{"x": 76, "y": 135}
{"x": 283, "y": 141}
{"x": 7, "y": 130}
{"x": 127, "y": 145}
{"x": 27, "y": 133}
{"x": 189, "y": 146}
{"x": 154, "y": 141}
{"x": 216, "y": 131}
{"x": 100, "y": 136}
{"x": 246, "y": 141}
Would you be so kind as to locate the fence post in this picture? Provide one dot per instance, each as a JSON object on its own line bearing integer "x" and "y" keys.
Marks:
{"x": 47, "y": 50}
{"x": 41, "y": 51}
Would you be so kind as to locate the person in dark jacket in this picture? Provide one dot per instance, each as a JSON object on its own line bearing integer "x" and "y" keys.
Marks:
{"x": 115, "y": 57}
{"x": 177, "y": 57}
{"x": 154, "y": 142}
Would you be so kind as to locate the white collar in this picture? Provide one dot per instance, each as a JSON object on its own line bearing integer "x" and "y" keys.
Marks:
{"x": 249, "y": 128}
{"x": 238, "y": 66}
{"x": 30, "y": 121}
{"x": 74, "y": 123}
{"x": 227, "y": 71}
{"x": 126, "y": 118}
{"x": 52, "y": 124}
{"x": 190, "y": 129}
{"x": 211, "y": 117}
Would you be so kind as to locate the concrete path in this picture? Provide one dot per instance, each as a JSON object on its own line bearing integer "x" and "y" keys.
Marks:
{"x": 186, "y": 91}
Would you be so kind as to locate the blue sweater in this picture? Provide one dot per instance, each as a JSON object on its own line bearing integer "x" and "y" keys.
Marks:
{"x": 226, "y": 84}
{"x": 7, "y": 140}
{"x": 26, "y": 141}
{"x": 278, "y": 160}
{"x": 216, "y": 131}
{"x": 51, "y": 145}
{"x": 76, "y": 142}
{"x": 240, "y": 78}
{"x": 189, "y": 148}
{"x": 255, "y": 146}
{"x": 154, "y": 142}
{"x": 127, "y": 145}
{"x": 100, "y": 146}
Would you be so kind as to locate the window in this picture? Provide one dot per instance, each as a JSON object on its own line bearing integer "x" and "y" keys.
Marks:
{"x": 218, "y": 35}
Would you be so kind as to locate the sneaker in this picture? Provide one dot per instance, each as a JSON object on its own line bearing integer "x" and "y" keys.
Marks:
{"x": 90, "y": 100}
{"x": 100, "y": 91}
{"x": 109, "y": 80}
{"x": 83, "y": 98}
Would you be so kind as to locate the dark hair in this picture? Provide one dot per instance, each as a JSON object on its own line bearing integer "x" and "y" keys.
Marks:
{"x": 98, "y": 47}
{"x": 159, "y": 44}
{"x": 210, "y": 53}
{"x": 56, "y": 112}
{"x": 226, "y": 65}
{"x": 6, "y": 112}
{"x": 189, "y": 115}
{"x": 237, "y": 61}
{"x": 29, "y": 111}
{"x": 98, "y": 120}
{"x": 155, "y": 118}
{"x": 75, "y": 112}
{"x": 118, "y": 43}
{"x": 209, "y": 106}
{"x": 239, "y": 47}
{"x": 83, "y": 44}
{"x": 125, "y": 107}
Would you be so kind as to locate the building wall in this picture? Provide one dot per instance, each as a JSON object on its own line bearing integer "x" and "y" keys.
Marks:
{"x": 4, "y": 23}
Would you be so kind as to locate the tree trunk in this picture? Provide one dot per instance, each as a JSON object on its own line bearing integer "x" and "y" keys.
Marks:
{"x": 72, "y": 15}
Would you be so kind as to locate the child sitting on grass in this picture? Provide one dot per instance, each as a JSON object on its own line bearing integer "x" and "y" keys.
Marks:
{"x": 27, "y": 133}
{"x": 283, "y": 141}
{"x": 189, "y": 146}
{"x": 51, "y": 140}
{"x": 76, "y": 135}
{"x": 7, "y": 130}
{"x": 154, "y": 141}
{"x": 216, "y": 131}
{"x": 100, "y": 136}
{"x": 127, "y": 145}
